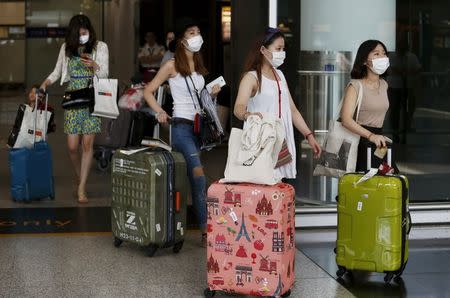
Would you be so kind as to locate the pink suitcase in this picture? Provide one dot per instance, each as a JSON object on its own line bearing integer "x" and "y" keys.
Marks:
{"x": 251, "y": 245}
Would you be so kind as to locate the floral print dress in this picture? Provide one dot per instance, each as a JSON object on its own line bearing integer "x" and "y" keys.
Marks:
{"x": 79, "y": 121}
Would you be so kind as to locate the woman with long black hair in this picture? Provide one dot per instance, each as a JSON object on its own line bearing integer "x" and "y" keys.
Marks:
{"x": 185, "y": 74}
{"x": 80, "y": 58}
{"x": 369, "y": 68}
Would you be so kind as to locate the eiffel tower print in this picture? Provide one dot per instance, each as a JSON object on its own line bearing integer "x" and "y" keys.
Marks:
{"x": 243, "y": 231}
{"x": 279, "y": 288}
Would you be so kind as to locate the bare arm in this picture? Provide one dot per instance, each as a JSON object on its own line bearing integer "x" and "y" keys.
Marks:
{"x": 164, "y": 73}
{"x": 348, "y": 110}
{"x": 247, "y": 88}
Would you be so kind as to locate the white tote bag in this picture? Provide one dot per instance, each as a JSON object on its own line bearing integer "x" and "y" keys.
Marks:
{"x": 25, "y": 138}
{"x": 340, "y": 151}
{"x": 105, "y": 98}
{"x": 253, "y": 152}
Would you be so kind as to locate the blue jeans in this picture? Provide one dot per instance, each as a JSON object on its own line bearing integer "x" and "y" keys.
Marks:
{"x": 185, "y": 142}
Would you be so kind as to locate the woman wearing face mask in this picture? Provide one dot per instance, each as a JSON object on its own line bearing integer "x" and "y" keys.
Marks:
{"x": 369, "y": 68}
{"x": 263, "y": 89}
{"x": 81, "y": 57}
{"x": 185, "y": 69}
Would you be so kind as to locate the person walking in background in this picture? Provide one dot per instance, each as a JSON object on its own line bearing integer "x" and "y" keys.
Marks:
{"x": 185, "y": 74}
{"x": 263, "y": 89}
{"x": 369, "y": 68}
{"x": 80, "y": 58}
{"x": 150, "y": 56}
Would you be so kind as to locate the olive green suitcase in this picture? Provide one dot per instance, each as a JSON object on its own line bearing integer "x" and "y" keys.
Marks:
{"x": 373, "y": 224}
{"x": 149, "y": 199}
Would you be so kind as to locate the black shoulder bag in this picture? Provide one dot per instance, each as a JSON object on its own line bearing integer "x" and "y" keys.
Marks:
{"x": 206, "y": 125}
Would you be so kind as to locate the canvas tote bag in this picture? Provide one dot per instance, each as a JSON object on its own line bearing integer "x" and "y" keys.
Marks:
{"x": 340, "y": 151}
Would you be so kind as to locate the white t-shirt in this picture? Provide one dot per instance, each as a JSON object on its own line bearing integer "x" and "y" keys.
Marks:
{"x": 147, "y": 50}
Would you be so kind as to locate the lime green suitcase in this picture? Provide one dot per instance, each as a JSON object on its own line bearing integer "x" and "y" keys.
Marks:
{"x": 149, "y": 199}
{"x": 373, "y": 224}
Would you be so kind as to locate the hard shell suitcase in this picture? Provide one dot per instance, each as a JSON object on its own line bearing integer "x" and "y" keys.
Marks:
{"x": 251, "y": 244}
{"x": 373, "y": 223}
{"x": 31, "y": 169}
{"x": 149, "y": 196}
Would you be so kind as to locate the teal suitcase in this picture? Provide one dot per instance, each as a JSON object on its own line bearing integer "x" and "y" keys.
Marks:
{"x": 149, "y": 199}
{"x": 373, "y": 224}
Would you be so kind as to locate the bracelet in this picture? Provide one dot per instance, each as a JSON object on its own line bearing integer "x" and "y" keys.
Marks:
{"x": 307, "y": 135}
{"x": 371, "y": 134}
{"x": 246, "y": 114}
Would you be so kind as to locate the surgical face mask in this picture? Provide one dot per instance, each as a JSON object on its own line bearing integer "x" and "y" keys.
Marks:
{"x": 277, "y": 58}
{"x": 194, "y": 44}
{"x": 84, "y": 38}
{"x": 379, "y": 65}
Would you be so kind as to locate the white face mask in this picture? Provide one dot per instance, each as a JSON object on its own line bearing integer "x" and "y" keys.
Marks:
{"x": 84, "y": 38}
{"x": 379, "y": 65}
{"x": 277, "y": 58}
{"x": 194, "y": 44}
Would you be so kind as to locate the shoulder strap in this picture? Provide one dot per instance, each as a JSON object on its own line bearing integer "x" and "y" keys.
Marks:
{"x": 190, "y": 93}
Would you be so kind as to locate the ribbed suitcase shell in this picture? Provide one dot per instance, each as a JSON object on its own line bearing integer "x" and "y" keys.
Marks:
{"x": 142, "y": 210}
{"x": 373, "y": 221}
{"x": 253, "y": 250}
{"x": 31, "y": 172}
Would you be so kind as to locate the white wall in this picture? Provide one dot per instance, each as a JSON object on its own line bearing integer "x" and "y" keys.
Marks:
{"x": 342, "y": 25}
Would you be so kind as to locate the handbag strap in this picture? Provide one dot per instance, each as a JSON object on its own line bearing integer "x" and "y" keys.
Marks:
{"x": 190, "y": 92}
{"x": 358, "y": 102}
{"x": 279, "y": 92}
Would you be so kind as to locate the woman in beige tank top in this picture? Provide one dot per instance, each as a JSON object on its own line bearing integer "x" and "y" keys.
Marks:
{"x": 369, "y": 68}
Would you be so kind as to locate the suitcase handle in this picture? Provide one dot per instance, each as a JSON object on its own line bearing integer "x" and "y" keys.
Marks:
{"x": 369, "y": 156}
{"x": 36, "y": 105}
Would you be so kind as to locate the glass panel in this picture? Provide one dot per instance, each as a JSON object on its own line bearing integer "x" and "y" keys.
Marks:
{"x": 324, "y": 40}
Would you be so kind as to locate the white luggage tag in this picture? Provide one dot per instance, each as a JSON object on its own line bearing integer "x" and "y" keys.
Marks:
{"x": 372, "y": 172}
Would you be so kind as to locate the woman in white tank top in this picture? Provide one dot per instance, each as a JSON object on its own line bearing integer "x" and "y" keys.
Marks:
{"x": 185, "y": 69}
{"x": 260, "y": 89}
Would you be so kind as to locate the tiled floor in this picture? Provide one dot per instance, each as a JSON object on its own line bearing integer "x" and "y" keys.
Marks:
{"x": 90, "y": 266}
{"x": 426, "y": 275}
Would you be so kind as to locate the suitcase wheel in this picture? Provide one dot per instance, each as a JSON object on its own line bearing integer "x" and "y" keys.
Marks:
{"x": 388, "y": 277}
{"x": 287, "y": 294}
{"x": 117, "y": 242}
{"x": 177, "y": 247}
{"x": 341, "y": 271}
{"x": 102, "y": 164}
{"x": 150, "y": 250}
{"x": 209, "y": 293}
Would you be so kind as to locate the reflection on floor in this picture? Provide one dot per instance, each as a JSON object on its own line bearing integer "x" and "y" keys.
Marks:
{"x": 426, "y": 275}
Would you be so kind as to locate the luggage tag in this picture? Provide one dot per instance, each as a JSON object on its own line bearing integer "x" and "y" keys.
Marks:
{"x": 372, "y": 172}
{"x": 380, "y": 152}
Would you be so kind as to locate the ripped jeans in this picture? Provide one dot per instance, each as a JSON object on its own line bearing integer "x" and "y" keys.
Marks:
{"x": 185, "y": 142}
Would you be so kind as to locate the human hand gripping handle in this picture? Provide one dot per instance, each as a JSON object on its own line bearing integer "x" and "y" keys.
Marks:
{"x": 162, "y": 117}
{"x": 379, "y": 140}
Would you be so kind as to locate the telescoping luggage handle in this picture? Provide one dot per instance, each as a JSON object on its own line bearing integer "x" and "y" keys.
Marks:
{"x": 36, "y": 106}
{"x": 372, "y": 172}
